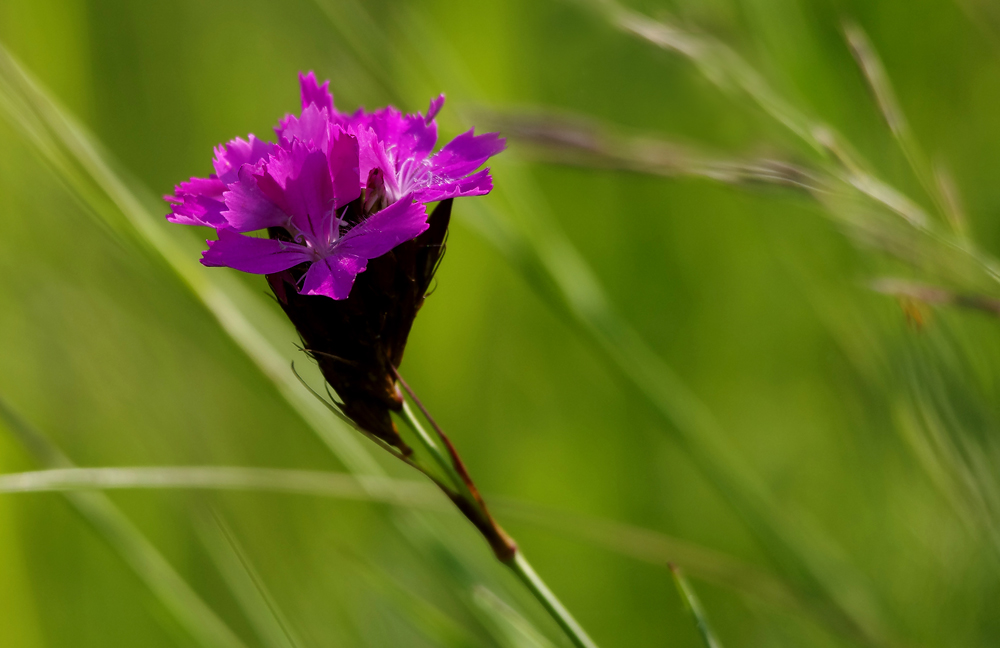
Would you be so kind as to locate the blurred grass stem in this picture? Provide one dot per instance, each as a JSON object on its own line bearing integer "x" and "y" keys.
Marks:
{"x": 177, "y": 596}
{"x": 885, "y": 97}
{"x": 641, "y": 544}
{"x": 693, "y": 605}
{"x": 936, "y": 295}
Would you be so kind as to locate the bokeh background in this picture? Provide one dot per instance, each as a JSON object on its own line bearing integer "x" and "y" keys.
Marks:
{"x": 638, "y": 367}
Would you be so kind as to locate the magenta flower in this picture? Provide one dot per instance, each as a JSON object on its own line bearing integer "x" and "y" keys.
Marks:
{"x": 334, "y": 192}
{"x": 395, "y": 150}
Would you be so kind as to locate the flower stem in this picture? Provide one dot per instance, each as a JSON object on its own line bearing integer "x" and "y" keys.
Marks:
{"x": 520, "y": 566}
{"x": 432, "y": 448}
{"x": 468, "y": 500}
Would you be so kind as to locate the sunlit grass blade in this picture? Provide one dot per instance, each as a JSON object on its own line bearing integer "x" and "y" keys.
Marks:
{"x": 245, "y": 583}
{"x": 183, "y": 603}
{"x": 693, "y": 605}
{"x": 328, "y": 484}
{"x": 953, "y": 207}
{"x": 718, "y": 63}
{"x": 885, "y": 97}
{"x": 641, "y": 544}
{"x": 729, "y": 71}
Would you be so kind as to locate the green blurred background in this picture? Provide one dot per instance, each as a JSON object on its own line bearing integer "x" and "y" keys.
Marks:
{"x": 838, "y": 488}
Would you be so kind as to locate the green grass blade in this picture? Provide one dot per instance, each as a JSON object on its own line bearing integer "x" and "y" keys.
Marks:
{"x": 184, "y": 604}
{"x": 694, "y": 607}
{"x": 517, "y": 631}
{"x": 327, "y": 484}
{"x": 719, "y": 64}
{"x": 638, "y": 543}
{"x": 722, "y": 66}
{"x": 436, "y": 625}
{"x": 245, "y": 583}
{"x": 888, "y": 104}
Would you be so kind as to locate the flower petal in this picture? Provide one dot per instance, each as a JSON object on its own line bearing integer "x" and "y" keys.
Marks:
{"x": 272, "y": 176}
{"x": 310, "y": 129}
{"x": 372, "y": 155}
{"x": 210, "y": 187}
{"x": 333, "y": 276}
{"x": 344, "y": 166}
{"x": 192, "y": 209}
{"x": 477, "y": 184}
{"x": 249, "y": 209}
{"x": 466, "y": 153}
{"x": 297, "y": 181}
{"x": 418, "y": 139}
{"x": 229, "y": 158}
{"x": 197, "y": 202}
{"x": 309, "y": 194}
{"x": 404, "y": 136}
{"x": 434, "y": 108}
{"x": 313, "y": 93}
{"x": 255, "y": 255}
{"x": 384, "y": 230}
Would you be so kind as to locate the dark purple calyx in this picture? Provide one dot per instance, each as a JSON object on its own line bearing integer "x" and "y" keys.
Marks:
{"x": 358, "y": 341}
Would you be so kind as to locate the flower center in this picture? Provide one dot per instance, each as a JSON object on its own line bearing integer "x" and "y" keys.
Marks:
{"x": 410, "y": 175}
{"x": 325, "y": 242}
